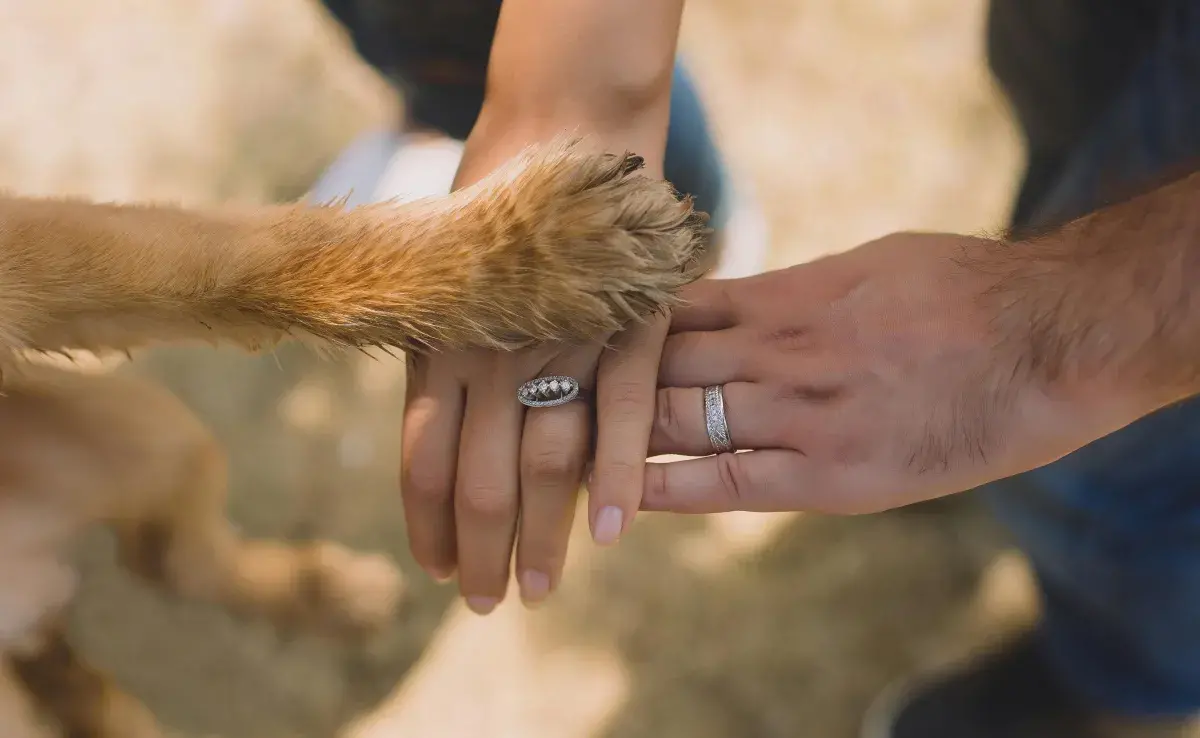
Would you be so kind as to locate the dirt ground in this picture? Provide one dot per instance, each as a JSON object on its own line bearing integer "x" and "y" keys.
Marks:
{"x": 850, "y": 119}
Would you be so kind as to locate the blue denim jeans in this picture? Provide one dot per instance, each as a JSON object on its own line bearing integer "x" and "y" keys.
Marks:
{"x": 1113, "y": 530}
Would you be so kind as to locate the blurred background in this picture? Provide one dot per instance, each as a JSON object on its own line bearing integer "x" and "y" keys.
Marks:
{"x": 851, "y": 119}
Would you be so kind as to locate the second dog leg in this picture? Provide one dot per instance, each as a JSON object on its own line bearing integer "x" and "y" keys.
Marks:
{"x": 82, "y": 700}
{"x": 112, "y": 449}
{"x": 19, "y": 714}
{"x": 188, "y": 545}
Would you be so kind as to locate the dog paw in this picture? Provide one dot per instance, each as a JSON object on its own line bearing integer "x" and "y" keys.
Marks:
{"x": 575, "y": 244}
{"x": 562, "y": 243}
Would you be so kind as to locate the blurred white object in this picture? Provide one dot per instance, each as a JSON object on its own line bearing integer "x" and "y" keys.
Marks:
{"x": 747, "y": 236}
{"x": 383, "y": 165}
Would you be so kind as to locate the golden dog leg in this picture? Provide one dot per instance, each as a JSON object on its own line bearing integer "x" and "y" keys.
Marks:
{"x": 84, "y": 702}
{"x": 112, "y": 449}
{"x": 559, "y": 244}
{"x": 20, "y": 716}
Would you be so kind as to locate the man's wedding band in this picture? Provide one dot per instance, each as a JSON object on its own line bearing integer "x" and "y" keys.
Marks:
{"x": 714, "y": 420}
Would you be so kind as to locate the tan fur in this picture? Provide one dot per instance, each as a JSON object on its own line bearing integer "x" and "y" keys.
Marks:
{"x": 556, "y": 245}
{"x": 559, "y": 245}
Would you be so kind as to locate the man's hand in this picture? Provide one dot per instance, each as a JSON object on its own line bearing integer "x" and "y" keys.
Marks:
{"x": 897, "y": 372}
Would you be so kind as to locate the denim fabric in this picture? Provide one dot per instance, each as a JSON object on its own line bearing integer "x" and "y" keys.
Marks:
{"x": 1113, "y": 530}
{"x": 693, "y": 163}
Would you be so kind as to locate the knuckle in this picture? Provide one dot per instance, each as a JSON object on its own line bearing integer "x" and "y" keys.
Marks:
{"x": 810, "y": 392}
{"x": 485, "y": 501}
{"x": 732, "y": 474}
{"x": 617, "y": 474}
{"x": 655, "y": 495}
{"x": 789, "y": 338}
{"x": 551, "y": 464}
{"x": 624, "y": 400}
{"x": 421, "y": 484}
{"x": 666, "y": 415}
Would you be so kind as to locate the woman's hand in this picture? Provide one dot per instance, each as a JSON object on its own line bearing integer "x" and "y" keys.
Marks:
{"x": 477, "y": 465}
{"x": 860, "y": 382}
{"x": 482, "y": 474}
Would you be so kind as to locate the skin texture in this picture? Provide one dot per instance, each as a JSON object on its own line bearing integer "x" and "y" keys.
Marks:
{"x": 558, "y": 244}
{"x": 922, "y": 365}
{"x": 493, "y": 477}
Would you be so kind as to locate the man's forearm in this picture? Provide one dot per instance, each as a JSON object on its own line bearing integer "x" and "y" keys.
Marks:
{"x": 602, "y": 67}
{"x": 1110, "y": 302}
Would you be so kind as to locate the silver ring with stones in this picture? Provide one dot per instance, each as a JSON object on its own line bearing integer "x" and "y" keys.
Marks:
{"x": 548, "y": 391}
{"x": 714, "y": 420}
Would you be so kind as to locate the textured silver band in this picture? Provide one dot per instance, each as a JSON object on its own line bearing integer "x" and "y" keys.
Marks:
{"x": 548, "y": 392}
{"x": 714, "y": 420}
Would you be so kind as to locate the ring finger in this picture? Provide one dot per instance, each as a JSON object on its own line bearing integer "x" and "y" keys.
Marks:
{"x": 554, "y": 450}
{"x": 752, "y": 413}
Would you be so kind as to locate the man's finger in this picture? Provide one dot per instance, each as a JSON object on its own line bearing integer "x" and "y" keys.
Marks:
{"x": 701, "y": 358}
{"x": 756, "y": 481}
{"x": 429, "y": 455}
{"x": 707, "y": 306}
{"x": 625, "y": 388}
{"x": 753, "y": 414}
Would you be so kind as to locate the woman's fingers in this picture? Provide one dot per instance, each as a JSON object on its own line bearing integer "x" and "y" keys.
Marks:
{"x": 429, "y": 457}
{"x": 625, "y": 388}
{"x": 485, "y": 496}
{"x": 554, "y": 450}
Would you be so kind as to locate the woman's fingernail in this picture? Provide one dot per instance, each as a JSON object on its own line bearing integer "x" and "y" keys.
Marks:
{"x": 608, "y": 525}
{"x": 482, "y": 605}
{"x": 441, "y": 575}
{"x": 535, "y": 586}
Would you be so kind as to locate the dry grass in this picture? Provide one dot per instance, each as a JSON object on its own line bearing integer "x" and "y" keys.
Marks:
{"x": 851, "y": 118}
